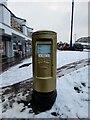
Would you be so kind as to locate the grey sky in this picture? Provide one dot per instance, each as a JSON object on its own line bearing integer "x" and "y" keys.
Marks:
{"x": 54, "y": 16}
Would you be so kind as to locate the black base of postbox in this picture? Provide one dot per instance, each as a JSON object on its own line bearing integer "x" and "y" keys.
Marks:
{"x": 44, "y": 101}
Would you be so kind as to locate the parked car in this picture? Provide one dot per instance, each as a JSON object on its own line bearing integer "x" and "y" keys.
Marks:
{"x": 59, "y": 46}
{"x": 65, "y": 46}
{"x": 77, "y": 47}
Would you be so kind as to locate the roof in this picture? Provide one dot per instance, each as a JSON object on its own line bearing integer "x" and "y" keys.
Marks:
{"x": 84, "y": 39}
{"x": 16, "y": 16}
{"x": 12, "y": 13}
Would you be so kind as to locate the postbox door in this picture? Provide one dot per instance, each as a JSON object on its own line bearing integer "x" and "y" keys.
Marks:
{"x": 44, "y": 60}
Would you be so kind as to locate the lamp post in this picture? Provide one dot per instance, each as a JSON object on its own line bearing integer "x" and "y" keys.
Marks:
{"x": 72, "y": 24}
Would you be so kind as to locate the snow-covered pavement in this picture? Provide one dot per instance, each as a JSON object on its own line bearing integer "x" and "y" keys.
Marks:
{"x": 72, "y": 90}
{"x": 16, "y": 74}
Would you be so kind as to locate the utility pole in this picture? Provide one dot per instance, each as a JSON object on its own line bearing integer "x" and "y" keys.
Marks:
{"x": 72, "y": 24}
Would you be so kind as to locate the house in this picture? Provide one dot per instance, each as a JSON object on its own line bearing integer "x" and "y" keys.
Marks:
{"x": 15, "y": 35}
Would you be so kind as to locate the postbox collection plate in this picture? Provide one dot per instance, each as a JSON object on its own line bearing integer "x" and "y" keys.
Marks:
{"x": 44, "y": 50}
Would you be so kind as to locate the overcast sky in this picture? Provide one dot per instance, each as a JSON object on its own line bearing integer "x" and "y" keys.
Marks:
{"x": 53, "y": 15}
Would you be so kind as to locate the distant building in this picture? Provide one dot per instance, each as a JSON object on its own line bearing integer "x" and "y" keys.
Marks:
{"x": 15, "y": 36}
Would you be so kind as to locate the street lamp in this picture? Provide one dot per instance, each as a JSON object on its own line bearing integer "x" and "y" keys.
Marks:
{"x": 71, "y": 24}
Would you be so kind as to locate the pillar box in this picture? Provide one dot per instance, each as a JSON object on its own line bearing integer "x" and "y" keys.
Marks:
{"x": 44, "y": 68}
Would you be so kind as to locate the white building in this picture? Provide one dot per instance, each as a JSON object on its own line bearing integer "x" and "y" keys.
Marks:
{"x": 15, "y": 36}
{"x": 3, "y": 2}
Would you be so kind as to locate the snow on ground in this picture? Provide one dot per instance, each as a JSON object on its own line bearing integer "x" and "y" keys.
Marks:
{"x": 73, "y": 102}
{"x": 65, "y": 57}
{"x": 70, "y": 103}
{"x": 16, "y": 74}
{"x": 72, "y": 90}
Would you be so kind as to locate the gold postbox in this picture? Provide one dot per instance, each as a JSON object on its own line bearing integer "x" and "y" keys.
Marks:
{"x": 44, "y": 61}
